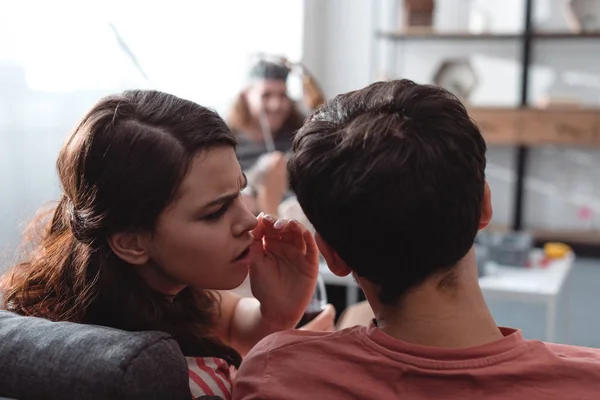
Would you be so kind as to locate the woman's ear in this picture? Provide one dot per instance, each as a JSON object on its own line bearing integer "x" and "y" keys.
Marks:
{"x": 334, "y": 262}
{"x": 130, "y": 247}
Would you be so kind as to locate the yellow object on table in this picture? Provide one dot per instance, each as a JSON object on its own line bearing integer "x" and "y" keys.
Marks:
{"x": 556, "y": 250}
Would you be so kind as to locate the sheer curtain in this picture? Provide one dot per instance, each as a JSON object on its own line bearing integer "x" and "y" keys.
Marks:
{"x": 57, "y": 58}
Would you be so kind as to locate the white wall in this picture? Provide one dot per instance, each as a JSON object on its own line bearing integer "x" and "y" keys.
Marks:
{"x": 339, "y": 46}
{"x": 32, "y": 128}
{"x": 337, "y": 43}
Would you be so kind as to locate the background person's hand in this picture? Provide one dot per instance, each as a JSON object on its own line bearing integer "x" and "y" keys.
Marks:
{"x": 284, "y": 270}
{"x": 273, "y": 183}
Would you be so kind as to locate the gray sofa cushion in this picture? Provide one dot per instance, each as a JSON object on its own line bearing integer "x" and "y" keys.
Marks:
{"x": 40, "y": 359}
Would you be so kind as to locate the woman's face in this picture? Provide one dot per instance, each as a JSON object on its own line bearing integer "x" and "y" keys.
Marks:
{"x": 270, "y": 94}
{"x": 202, "y": 239}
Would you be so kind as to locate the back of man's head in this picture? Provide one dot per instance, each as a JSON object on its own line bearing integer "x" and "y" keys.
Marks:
{"x": 392, "y": 178}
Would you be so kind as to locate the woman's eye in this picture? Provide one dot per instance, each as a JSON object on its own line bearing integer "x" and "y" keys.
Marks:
{"x": 217, "y": 214}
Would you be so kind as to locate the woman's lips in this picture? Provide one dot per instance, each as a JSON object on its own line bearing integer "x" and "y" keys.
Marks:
{"x": 244, "y": 258}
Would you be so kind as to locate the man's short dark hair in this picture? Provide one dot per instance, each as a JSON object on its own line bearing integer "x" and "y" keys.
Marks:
{"x": 392, "y": 178}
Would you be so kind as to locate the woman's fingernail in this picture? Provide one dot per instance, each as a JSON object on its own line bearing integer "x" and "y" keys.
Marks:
{"x": 279, "y": 224}
{"x": 269, "y": 218}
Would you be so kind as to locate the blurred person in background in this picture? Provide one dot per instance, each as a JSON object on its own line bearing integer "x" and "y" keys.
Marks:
{"x": 264, "y": 119}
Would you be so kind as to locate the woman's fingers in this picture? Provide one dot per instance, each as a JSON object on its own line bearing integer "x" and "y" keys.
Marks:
{"x": 292, "y": 234}
{"x": 312, "y": 250}
{"x": 258, "y": 233}
{"x": 271, "y": 231}
{"x": 285, "y": 237}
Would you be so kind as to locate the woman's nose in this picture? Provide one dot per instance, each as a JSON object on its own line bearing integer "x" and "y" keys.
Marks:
{"x": 246, "y": 222}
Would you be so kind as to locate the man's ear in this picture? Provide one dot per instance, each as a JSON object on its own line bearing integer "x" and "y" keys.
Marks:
{"x": 486, "y": 207}
{"x": 129, "y": 247}
{"x": 334, "y": 262}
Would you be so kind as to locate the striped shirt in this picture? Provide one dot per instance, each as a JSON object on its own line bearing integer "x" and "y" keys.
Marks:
{"x": 209, "y": 376}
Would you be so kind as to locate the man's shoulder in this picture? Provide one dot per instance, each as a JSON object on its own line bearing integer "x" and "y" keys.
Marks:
{"x": 575, "y": 353}
{"x": 293, "y": 339}
{"x": 271, "y": 369}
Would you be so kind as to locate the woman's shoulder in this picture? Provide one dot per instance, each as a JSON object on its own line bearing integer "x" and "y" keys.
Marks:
{"x": 210, "y": 376}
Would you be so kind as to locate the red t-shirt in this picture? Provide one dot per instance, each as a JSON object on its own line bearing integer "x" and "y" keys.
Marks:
{"x": 365, "y": 363}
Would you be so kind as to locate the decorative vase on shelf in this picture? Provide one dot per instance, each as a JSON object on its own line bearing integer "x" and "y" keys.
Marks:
{"x": 479, "y": 19}
{"x": 418, "y": 14}
{"x": 560, "y": 95}
{"x": 457, "y": 76}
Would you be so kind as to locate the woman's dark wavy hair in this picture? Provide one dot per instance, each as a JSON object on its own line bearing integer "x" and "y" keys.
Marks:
{"x": 119, "y": 169}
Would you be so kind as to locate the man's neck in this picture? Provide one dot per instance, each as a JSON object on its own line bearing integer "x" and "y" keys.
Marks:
{"x": 455, "y": 317}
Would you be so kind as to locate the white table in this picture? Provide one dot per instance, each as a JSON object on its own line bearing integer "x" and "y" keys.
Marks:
{"x": 531, "y": 285}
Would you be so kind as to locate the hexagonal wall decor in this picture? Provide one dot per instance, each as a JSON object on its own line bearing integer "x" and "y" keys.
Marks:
{"x": 457, "y": 76}
{"x": 583, "y": 15}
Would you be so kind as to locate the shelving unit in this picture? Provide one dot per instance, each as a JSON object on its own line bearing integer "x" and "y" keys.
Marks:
{"x": 525, "y": 126}
{"x": 534, "y": 127}
{"x": 433, "y": 35}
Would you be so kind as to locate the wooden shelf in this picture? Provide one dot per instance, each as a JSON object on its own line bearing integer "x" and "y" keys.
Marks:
{"x": 427, "y": 34}
{"x": 433, "y": 35}
{"x": 497, "y": 125}
{"x": 566, "y": 35}
{"x": 536, "y": 127}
